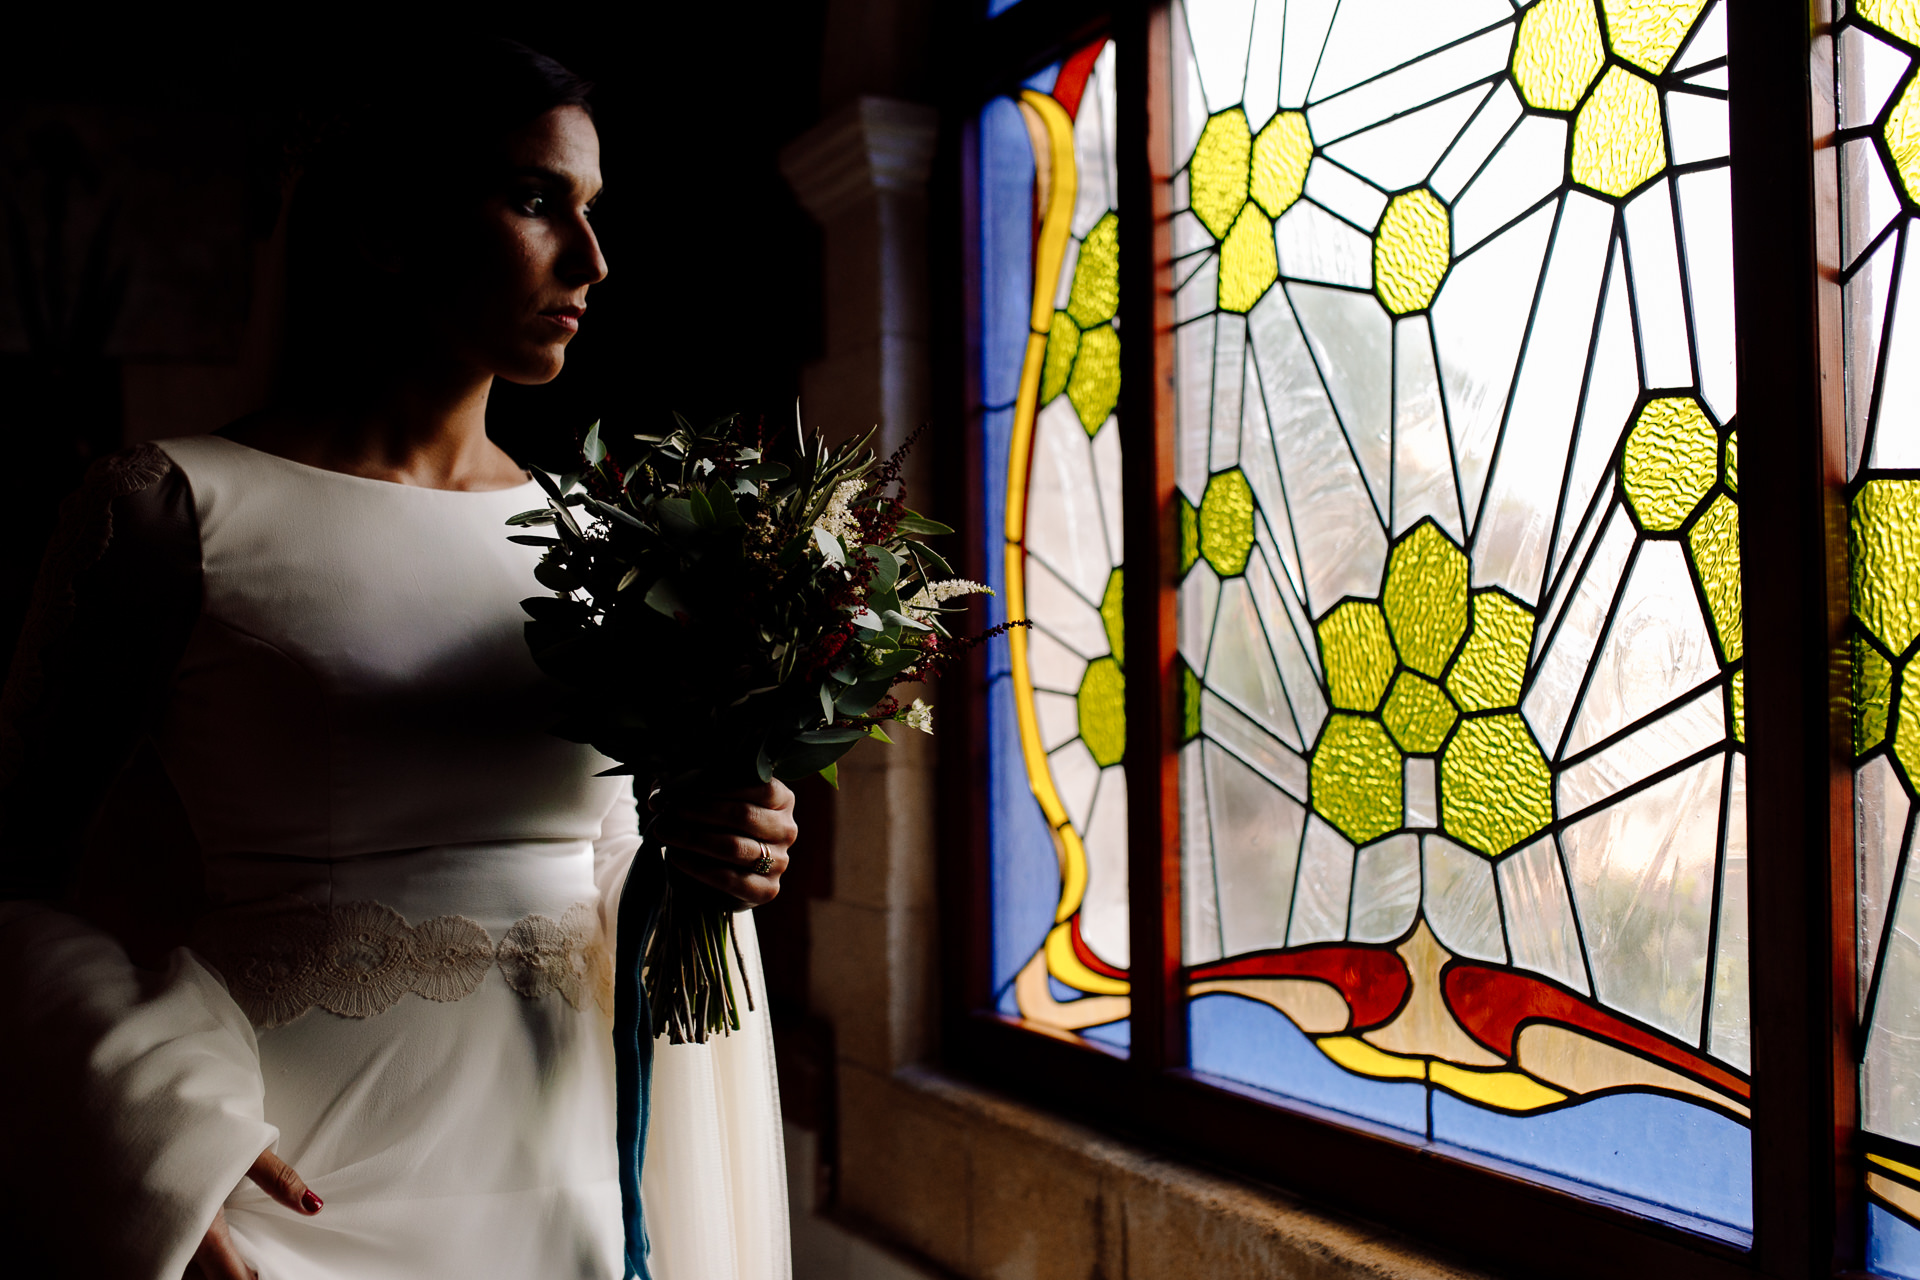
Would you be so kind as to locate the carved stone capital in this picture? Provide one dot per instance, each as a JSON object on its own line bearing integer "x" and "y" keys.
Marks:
{"x": 869, "y": 146}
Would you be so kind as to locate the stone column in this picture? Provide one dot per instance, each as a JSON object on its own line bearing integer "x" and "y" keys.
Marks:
{"x": 862, "y": 174}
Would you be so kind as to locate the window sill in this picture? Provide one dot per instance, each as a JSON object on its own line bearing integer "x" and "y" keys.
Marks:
{"x": 982, "y": 1185}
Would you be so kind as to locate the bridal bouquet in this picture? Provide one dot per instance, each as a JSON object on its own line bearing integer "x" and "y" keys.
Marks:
{"x": 720, "y": 617}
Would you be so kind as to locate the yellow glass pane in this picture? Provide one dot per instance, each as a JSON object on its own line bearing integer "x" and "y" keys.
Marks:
{"x": 1226, "y": 523}
{"x": 1356, "y": 778}
{"x": 1418, "y": 713}
{"x": 1617, "y": 139}
{"x": 1730, "y": 469}
{"x": 1495, "y": 787}
{"x": 1715, "y": 543}
{"x": 1095, "y": 298}
{"x": 1281, "y": 153}
{"x": 1886, "y": 561}
{"x": 1426, "y": 599}
{"x": 1219, "y": 170}
{"x": 1411, "y": 249}
{"x": 1103, "y": 711}
{"x": 1895, "y": 17}
{"x": 1872, "y": 696}
{"x": 1112, "y": 617}
{"x": 1737, "y": 704}
{"x": 1671, "y": 460}
{"x": 1648, "y": 33}
{"x": 1906, "y": 734}
{"x": 1494, "y": 661}
{"x": 1063, "y": 340}
{"x": 1248, "y": 265}
{"x": 1358, "y": 655}
{"x": 1557, "y": 54}
{"x": 1903, "y": 138}
{"x": 1189, "y": 704}
{"x": 1094, "y": 387}
{"x": 1189, "y": 534}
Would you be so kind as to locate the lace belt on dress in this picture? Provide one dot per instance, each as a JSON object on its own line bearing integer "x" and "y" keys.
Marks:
{"x": 360, "y": 958}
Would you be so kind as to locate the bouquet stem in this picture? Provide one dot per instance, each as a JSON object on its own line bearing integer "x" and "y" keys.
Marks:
{"x": 689, "y": 981}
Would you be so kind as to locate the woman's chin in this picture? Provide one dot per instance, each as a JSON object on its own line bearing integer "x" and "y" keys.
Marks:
{"x": 533, "y": 368}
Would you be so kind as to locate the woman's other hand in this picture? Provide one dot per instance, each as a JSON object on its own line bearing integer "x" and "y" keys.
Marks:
{"x": 734, "y": 841}
{"x": 217, "y": 1258}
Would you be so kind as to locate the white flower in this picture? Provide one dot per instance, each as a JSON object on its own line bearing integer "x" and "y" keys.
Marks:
{"x": 931, "y": 596}
{"x": 918, "y": 716}
{"x": 837, "y": 520}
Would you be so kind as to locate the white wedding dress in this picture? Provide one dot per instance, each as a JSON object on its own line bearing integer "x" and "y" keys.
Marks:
{"x": 404, "y": 981}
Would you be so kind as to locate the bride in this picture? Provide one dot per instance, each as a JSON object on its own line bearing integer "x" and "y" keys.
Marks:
{"x": 363, "y": 1029}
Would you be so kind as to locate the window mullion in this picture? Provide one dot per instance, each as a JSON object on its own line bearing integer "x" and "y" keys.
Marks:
{"x": 1795, "y": 589}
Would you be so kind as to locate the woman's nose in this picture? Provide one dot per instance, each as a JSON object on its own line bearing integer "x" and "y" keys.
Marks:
{"x": 582, "y": 262}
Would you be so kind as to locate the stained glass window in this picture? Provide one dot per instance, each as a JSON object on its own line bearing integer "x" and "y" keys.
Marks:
{"x": 1056, "y": 713}
{"x": 1880, "y": 188}
{"x": 1463, "y": 785}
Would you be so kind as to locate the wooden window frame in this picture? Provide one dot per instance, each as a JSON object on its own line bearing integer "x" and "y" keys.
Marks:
{"x": 1808, "y": 1208}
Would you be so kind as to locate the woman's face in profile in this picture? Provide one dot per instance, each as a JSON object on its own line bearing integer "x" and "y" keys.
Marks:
{"x": 514, "y": 288}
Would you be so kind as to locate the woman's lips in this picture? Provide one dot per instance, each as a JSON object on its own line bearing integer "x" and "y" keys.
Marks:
{"x": 567, "y": 318}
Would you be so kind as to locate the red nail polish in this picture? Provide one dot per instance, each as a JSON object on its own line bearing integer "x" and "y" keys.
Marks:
{"x": 310, "y": 1202}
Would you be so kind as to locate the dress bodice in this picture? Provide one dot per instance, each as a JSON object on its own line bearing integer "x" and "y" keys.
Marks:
{"x": 358, "y": 681}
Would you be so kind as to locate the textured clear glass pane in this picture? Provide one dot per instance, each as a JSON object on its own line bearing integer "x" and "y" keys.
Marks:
{"x": 1613, "y": 388}
{"x": 1880, "y": 812}
{"x": 1313, "y": 244}
{"x": 1064, "y": 523}
{"x": 1865, "y": 316}
{"x": 1654, "y": 251}
{"x": 1479, "y": 322}
{"x": 1403, "y": 151}
{"x": 1460, "y": 900}
{"x": 1697, "y": 126}
{"x": 1871, "y": 202}
{"x": 1499, "y": 112}
{"x": 1706, "y": 214}
{"x": 1540, "y": 927}
{"x": 1352, "y": 343}
{"x": 1870, "y": 68}
{"x": 1386, "y": 889}
{"x": 1525, "y": 170}
{"x": 1423, "y": 485}
{"x": 1103, "y": 912}
{"x": 1479, "y": 481}
{"x": 1656, "y": 650}
{"x": 1326, "y": 883}
{"x": 1251, "y": 741}
{"x": 1059, "y": 716}
{"x": 1256, "y": 847}
{"x": 1687, "y": 730}
{"x": 1342, "y": 546}
{"x": 1732, "y": 1039}
{"x": 1892, "y": 1071}
{"x": 1199, "y": 893}
{"x": 1220, "y": 30}
{"x": 1643, "y": 880}
{"x": 1513, "y": 532}
{"x": 1896, "y": 443}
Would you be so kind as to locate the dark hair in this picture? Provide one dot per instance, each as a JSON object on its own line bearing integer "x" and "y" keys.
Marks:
{"x": 425, "y": 118}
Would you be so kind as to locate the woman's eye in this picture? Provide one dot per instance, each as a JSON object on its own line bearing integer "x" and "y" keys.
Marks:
{"x": 533, "y": 205}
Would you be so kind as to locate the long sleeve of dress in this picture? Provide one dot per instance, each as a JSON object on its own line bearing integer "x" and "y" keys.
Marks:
{"x": 131, "y": 1099}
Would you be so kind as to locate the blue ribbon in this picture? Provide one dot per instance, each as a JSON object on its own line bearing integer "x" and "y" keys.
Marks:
{"x": 633, "y": 1045}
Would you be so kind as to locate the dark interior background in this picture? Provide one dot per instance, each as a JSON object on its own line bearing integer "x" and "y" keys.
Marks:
{"x": 141, "y": 176}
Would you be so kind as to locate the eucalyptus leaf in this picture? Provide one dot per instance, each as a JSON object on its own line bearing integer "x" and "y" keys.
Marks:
{"x": 528, "y": 540}
{"x": 831, "y": 774}
{"x": 934, "y": 560}
{"x": 829, "y": 547}
{"x": 591, "y": 448}
{"x": 677, "y": 517}
{"x": 868, "y": 620}
{"x": 894, "y": 618}
{"x": 917, "y": 525}
{"x": 886, "y": 568}
{"x": 662, "y": 597}
{"x": 539, "y": 515}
